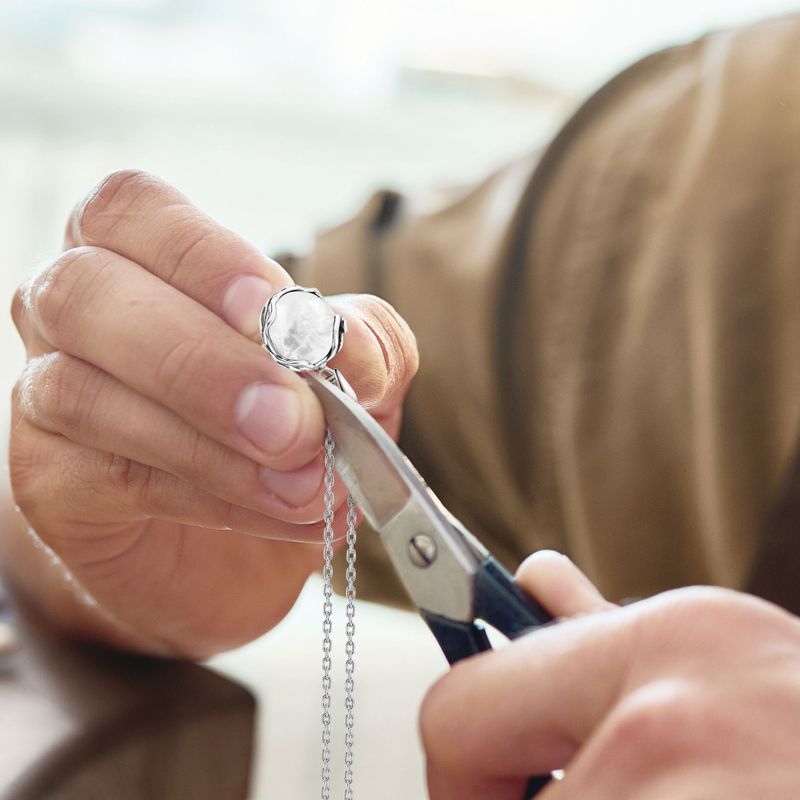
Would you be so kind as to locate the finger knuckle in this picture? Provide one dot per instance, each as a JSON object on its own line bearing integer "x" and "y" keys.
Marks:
{"x": 198, "y": 457}
{"x": 109, "y": 202}
{"x": 712, "y": 616}
{"x": 132, "y": 479}
{"x": 709, "y": 603}
{"x": 59, "y": 292}
{"x": 179, "y": 253}
{"x": 179, "y": 368}
{"x": 666, "y": 717}
{"x": 19, "y": 305}
{"x": 67, "y": 391}
{"x": 160, "y": 495}
{"x": 23, "y": 395}
{"x": 33, "y": 388}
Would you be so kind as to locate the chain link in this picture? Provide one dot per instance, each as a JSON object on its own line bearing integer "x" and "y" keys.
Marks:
{"x": 327, "y": 627}
{"x": 350, "y": 648}
{"x": 327, "y": 613}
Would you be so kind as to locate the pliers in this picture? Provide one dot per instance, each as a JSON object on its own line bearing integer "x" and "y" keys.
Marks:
{"x": 453, "y": 580}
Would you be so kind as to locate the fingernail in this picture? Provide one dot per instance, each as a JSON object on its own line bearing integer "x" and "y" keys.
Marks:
{"x": 268, "y": 415}
{"x": 298, "y": 487}
{"x": 242, "y": 303}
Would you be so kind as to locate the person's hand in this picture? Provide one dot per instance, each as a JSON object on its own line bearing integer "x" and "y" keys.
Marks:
{"x": 150, "y": 429}
{"x": 694, "y": 693}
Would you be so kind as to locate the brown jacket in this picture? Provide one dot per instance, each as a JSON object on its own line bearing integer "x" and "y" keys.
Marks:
{"x": 609, "y": 333}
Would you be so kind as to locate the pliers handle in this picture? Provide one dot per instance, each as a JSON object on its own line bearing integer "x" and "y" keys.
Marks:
{"x": 501, "y": 603}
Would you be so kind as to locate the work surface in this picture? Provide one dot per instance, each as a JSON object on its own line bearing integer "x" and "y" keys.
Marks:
{"x": 397, "y": 659}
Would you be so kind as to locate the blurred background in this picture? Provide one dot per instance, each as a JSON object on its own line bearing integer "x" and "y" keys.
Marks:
{"x": 279, "y": 117}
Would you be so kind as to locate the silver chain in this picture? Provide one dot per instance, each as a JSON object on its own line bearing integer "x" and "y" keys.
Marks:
{"x": 350, "y": 647}
{"x": 327, "y": 612}
{"x": 327, "y": 627}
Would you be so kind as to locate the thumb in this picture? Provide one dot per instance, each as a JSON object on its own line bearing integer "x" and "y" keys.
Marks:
{"x": 559, "y": 585}
{"x": 379, "y": 357}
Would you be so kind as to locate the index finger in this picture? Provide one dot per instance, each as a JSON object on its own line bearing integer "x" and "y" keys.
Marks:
{"x": 150, "y": 222}
{"x": 526, "y": 709}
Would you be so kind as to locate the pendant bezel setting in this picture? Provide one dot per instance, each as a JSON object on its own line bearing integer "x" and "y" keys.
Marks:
{"x": 269, "y": 315}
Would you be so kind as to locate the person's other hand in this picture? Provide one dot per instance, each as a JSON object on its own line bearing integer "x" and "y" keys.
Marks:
{"x": 149, "y": 420}
{"x": 694, "y": 693}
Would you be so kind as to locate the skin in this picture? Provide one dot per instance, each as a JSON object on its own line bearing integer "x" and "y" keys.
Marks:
{"x": 143, "y": 517}
{"x": 147, "y": 516}
{"x": 694, "y": 693}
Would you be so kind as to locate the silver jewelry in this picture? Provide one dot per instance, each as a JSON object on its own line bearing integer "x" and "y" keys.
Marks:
{"x": 302, "y": 333}
{"x": 350, "y": 647}
{"x": 300, "y": 330}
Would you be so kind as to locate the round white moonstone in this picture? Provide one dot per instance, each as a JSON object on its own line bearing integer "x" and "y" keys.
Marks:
{"x": 302, "y": 328}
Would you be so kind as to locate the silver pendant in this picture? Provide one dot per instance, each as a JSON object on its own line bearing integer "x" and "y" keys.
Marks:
{"x": 300, "y": 330}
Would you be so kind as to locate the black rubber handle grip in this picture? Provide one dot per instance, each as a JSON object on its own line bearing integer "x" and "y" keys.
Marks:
{"x": 501, "y": 603}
